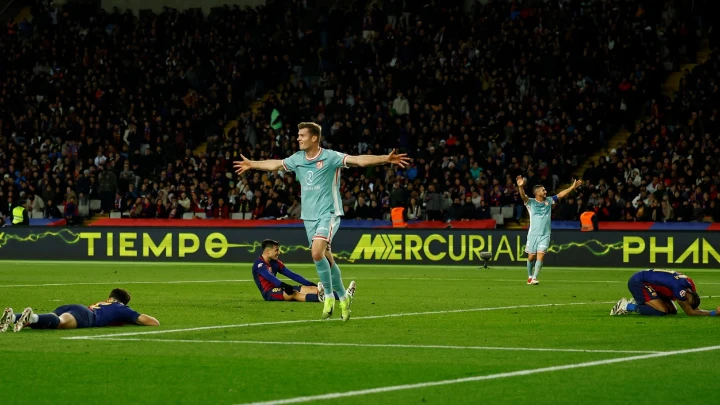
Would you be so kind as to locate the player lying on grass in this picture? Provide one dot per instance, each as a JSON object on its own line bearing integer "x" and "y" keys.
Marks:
{"x": 266, "y": 268}
{"x": 654, "y": 291}
{"x": 112, "y": 312}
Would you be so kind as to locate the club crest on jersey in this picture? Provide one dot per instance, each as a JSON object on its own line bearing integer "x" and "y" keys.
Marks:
{"x": 319, "y": 165}
{"x": 546, "y": 203}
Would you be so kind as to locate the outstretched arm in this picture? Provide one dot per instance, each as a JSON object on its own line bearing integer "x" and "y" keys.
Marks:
{"x": 241, "y": 166}
{"x": 393, "y": 158}
{"x": 564, "y": 193}
{"x": 147, "y": 320}
{"x": 295, "y": 277}
{"x": 696, "y": 312}
{"x": 521, "y": 187}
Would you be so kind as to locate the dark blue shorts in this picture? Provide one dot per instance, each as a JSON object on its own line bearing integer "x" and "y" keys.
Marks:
{"x": 276, "y": 294}
{"x": 641, "y": 291}
{"x": 84, "y": 317}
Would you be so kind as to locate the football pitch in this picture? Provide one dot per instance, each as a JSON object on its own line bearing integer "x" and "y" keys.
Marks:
{"x": 419, "y": 334}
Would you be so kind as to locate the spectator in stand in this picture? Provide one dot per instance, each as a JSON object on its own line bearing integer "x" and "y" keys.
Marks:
{"x": 529, "y": 101}
{"x": 71, "y": 212}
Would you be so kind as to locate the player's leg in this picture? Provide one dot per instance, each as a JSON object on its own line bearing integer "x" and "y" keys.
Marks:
{"x": 308, "y": 294}
{"x": 543, "y": 243}
{"x": 670, "y": 306}
{"x": 647, "y": 301}
{"x": 531, "y": 250}
{"x": 68, "y": 321}
{"x": 338, "y": 286}
{"x": 275, "y": 294}
{"x": 29, "y": 318}
{"x": 538, "y": 266}
{"x": 319, "y": 246}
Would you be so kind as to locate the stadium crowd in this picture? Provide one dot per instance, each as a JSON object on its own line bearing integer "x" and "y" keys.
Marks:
{"x": 146, "y": 113}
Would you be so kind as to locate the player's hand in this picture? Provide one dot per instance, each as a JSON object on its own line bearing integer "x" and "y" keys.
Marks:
{"x": 287, "y": 288}
{"x": 520, "y": 181}
{"x": 577, "y": 183}
{"x": 400, "y": 159}
{"x": 241, "y": 166}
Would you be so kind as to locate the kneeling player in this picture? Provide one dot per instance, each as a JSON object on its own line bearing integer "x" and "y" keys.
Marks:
{"x": 267, "y": 266}
{"x": 112, "y": 312}
{"x": 654, "y": 291}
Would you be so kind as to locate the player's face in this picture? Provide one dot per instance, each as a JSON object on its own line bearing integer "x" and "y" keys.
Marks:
{"x": 305, "y": 140}
{"x": 541, "y": 193}
{"x": 275, "y": 252}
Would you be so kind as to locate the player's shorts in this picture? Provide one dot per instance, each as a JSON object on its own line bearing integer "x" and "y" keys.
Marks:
{"x": 276, "y": 294}
{"x": 324, "y": 228}
{"x": 537, "y": 244}
{"x": 641, "y": 291}
{"x": 84, "y": 317}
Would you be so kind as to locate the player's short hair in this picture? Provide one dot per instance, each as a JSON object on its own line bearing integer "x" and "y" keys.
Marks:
{"x": 695, "y": 299}
{"x": 120, "y": 295}
{"x": 536, "y": 188}
{"x": 312, "y": 127}
{"x": 269, "y": 243}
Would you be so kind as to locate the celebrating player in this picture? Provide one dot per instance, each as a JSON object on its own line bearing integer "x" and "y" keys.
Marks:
{"x": 318, "y": 171}
{"x": 654, "y": 291}
{"x": 267, "y": 266}
{"x": 112, "y": 312}
{"x": 538, "y": 240}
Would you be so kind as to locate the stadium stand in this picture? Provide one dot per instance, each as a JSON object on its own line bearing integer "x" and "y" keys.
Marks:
{"x": 141, "y": 116}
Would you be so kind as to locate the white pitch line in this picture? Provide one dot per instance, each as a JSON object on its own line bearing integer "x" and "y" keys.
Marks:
{"x": 497, "y": 376}
{"x": 488, "y": 279}
{"x": 315, "y": 278}
{"x": 374, "y": 345}
{"x": 127, "y": 282}
{"x": 453, "y": 267}
{"x": 245, "y": 325}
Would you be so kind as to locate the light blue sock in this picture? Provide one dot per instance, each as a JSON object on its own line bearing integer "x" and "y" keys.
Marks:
{"x": 530, "y": 266}
{"x": 338, "y": 285}
{"x": 323, "y": 270}
{"x": 538, "y": 267}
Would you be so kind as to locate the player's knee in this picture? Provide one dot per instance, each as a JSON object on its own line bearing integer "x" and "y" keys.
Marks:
{"x": 288, "y": 297}
{"x": 317, "y": 256}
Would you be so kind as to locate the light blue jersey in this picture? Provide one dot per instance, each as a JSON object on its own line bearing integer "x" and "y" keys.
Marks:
{"x": 540, "y": 216}
{"x": 319, "y": 178}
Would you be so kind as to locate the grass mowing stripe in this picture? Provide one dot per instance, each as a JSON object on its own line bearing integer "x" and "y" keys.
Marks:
{"x": 127, "y": 282}
{"x": 374, "y": 345}
{"x": 245, "y": 325}
{"x": 405, "y": 387}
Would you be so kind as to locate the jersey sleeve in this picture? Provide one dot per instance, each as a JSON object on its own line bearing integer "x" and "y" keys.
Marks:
{"x": 551, "y": 200}
{"x": 294, "y": 276}
{"x": 129, "y": 315}
{"x": 337, "y": 159}
{"x": 263, "y": 271}
{"x": 290, "y": 163}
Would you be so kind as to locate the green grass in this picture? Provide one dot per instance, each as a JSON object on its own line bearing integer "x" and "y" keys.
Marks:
{"x": 241, "y": 364}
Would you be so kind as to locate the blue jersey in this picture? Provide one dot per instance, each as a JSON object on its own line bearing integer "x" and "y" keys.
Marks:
{"x": 669, "y": 284}
{"x": 319, "y": 178}
{"x": 112, "y": 313}
{"x": 265, "y": 274}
